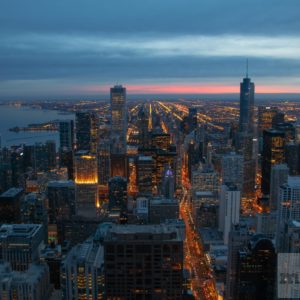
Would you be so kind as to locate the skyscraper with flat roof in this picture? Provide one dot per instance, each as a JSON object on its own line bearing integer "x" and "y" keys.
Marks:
{"x": 86, "y": 131}
{"x": 118, "y": 119}
{"x": 143, "y": 262}
{"x": 273, "y": 153}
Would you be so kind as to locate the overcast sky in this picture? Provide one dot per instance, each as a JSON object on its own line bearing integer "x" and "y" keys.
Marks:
{"x": 81, "y": 47}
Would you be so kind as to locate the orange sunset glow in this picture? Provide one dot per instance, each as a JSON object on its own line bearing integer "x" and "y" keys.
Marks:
{"x": 192, "y": 89}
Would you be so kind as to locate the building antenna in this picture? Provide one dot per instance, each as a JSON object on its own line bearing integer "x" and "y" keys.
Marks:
{"x": 247, "y": 68}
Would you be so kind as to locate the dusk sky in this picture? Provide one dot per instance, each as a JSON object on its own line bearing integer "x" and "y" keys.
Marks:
{"x": 74, "y": 48}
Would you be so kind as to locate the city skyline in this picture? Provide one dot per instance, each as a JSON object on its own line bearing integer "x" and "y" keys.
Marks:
{"x": 69, "y": 49}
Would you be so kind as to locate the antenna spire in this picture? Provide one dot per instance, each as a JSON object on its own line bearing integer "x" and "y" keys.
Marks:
{"x": 247, "y": 68}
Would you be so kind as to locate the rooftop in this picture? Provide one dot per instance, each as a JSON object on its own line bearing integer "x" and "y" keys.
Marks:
{"x": 12, "y": 192}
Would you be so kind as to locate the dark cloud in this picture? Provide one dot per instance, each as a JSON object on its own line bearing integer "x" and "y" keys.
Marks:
{"x": 95, "y": 41}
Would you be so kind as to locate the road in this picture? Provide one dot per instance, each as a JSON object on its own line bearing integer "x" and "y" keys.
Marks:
{"x": 202, "y": 281}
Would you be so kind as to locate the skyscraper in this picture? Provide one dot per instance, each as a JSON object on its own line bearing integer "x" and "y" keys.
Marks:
{"x": 256, "y": 270}
{"x": 279, "y": 176}
{"x": 229, "y": 209}
{"x": 117, "y": 194}
{"x": 118, "y": 119}
{"x": 246, "y": 121}
{"x": 20, "y": 244}
{"x": 82, "y": 272}
{"x": 143, "y": 262}
{"x": 273, "y": 153}
{"x": 66, "y": 134}
{"x": 233, "y": 169}
{"x": 144, "y": 171}
{"x": 86, "y": 131}
{"x": 86, "y": 179}
{"x": 245, "y": 135}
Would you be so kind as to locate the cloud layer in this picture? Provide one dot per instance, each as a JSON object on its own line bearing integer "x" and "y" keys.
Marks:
{"x": 52, "y": 48}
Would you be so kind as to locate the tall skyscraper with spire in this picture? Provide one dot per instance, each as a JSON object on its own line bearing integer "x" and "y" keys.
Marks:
{"x": 246, "y": 104}
{"x": 246, "y": 134}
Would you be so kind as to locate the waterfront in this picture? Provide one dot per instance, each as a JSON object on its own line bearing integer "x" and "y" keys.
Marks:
{"x": 12, "y": 116}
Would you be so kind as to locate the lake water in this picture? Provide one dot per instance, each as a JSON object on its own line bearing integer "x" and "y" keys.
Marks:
{"x": 12, "y": 116}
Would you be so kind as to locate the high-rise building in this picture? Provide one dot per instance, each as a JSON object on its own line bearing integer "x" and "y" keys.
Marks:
{"x": 143, "y": 122}
{"x": 103, "y": 162}
{"x": 33, "y": 211}
{"x": 291, "y": 154}
{"x": 245, "y": 135}
{"x": 20, "y": 244}
{"x": 144, "y": 262}
{"x": 118, "y": 119}
{"x": 273, "y": 153}
{"x": 61, "y": 200}
{"x": 86, "y": 131}
{"x": 289, "y": 208}
{"x": 233, "y": 169}
{"x": 144, "y": 174}
{"x": 162, "y": 209}
{"x": 192, "y": 117}
{"x": 229, "y": 209}
{"x": 117, "y": 194}
{"x": 33, "y": 284}
{"x": 86, "y": 179}
{"x": 118, "y": 165}
{"x": 10, "y": 205}
{"x": 238, "y": 237}
{"x": 256, "y": 270}
{"x": 279, "y": 176}
{"x": 246, "y": 121}
{"x": 205, "y": 179}
{"x": 266, "y": 116}
{"x": 82, "y": 272}
{"x": 168, "y": 184}
{"x": 66, "y": 134}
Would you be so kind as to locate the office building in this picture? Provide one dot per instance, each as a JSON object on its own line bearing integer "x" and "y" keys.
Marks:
{"x": 279, "y": 176}
{"x": 117, "y": 194}
{"x": 86, "y": 179}
{"x": 266, "y": 115}
{"x": 33, "y": 284}
{"x": 143, "y": 262}
{"x": 289, "y": 208}
{"x": 229, "y": 209}
{"x": 103, "y": 162}
{"x": 61, "y": 200}
{"x": 118, "y": 165}
{"x": 192, "y": 117}
{"x": 82, "y": 272}
{"x": 168, "y": 184}
{"x": 273, "y": 153}
{"x": 205, "y": 208}
{"x": 10, "y": 205}
{"x": 291, "y": 154}
{"x": 143, "y": 122}
{"x": 205, "y": 179}
{"x": 144, "y": 174}
{"x": 162, "y": 209}
{"x": 86, "y": 131}
{"x": 33, "y": 211}
{"x": 66, "y": 134}
{"x": 20, "y": 244}
{"x": 239, "y": 236}
{"x": 118, "y": 119}
{"x": 233, "y": 169}
{"x": 245, "y": 135}
{"x": 256, "y": 270}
